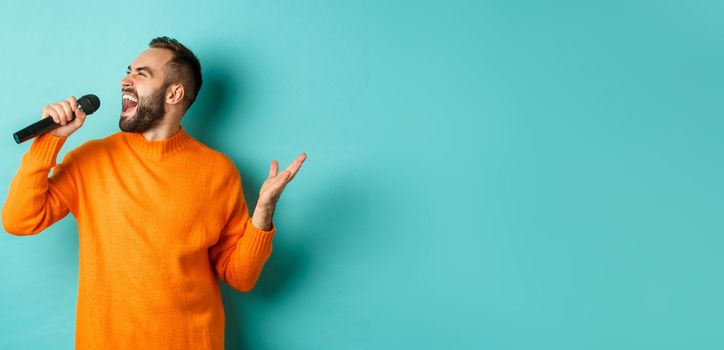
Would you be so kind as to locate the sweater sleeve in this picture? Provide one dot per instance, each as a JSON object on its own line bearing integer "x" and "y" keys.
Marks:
{"x": 242, "y": 249}
{"x": 35, "y": 201}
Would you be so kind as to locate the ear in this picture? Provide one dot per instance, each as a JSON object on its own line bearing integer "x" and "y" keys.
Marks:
{"x": 174, "y": 94}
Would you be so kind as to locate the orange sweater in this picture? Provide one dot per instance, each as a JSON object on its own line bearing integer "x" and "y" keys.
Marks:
{"x": 158, "y": 222}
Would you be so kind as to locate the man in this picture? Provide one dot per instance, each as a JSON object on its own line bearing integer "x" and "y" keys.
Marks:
{"x": 159, "y": 214}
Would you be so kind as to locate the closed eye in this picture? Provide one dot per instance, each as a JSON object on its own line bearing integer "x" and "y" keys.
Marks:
{"x": 142, "y": 71}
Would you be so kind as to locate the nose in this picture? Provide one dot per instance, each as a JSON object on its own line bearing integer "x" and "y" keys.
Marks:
{"x": 127, "y": 82}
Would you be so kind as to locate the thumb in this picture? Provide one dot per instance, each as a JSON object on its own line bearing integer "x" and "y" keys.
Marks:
{"x": 79, "y": 118}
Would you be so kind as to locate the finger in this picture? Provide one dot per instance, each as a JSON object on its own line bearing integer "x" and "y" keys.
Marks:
{"x": 67, "y": 110}
{"x": 281, "y": 188}
{"x": 73, "y": 103}
{"x": 78, "y": 112}
{"x": 291, "y": 165}
{"x": 293, "y": 171}
{"x": 294, "y": 167}
{"x": 273, "y": 169}
{"x": 59, "y": 113}
{"x": 49, "y": 112}
{"x": 79, "y": 118}
{"x": 302, "y": 157}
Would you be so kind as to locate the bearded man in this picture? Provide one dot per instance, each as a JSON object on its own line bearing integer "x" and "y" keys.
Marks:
{"x": 160, "y": 215}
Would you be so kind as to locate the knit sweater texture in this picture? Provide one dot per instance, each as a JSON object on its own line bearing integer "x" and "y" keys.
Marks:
{"x": 158, "y": 222}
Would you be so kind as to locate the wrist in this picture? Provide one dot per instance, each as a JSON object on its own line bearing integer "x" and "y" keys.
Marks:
{"x": 263, "y": 224}
{"x": 263, "y": 208}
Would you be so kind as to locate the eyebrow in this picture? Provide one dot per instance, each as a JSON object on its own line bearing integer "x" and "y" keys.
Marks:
{"x": 143, "y": 68}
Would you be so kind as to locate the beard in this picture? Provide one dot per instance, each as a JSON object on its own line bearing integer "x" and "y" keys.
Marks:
{"x": 149, "y": 113}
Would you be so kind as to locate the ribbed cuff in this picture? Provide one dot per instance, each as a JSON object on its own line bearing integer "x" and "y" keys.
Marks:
{"x": 45, "y": 149}
{"x": 257, "y": 240}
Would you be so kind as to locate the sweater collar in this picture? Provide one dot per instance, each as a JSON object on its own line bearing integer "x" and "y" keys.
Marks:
{"x": 158, "y": 148}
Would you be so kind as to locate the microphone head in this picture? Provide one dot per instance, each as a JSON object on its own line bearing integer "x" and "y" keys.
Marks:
{"x": 89, "y": 103}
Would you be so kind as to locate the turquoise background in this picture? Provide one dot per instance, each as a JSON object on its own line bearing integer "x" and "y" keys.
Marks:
{"x": 480, "y": 175}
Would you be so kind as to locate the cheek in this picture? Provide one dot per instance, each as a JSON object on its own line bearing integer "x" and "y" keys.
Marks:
{"x": 146, "y": 91}
{"x": 142, "y": 92}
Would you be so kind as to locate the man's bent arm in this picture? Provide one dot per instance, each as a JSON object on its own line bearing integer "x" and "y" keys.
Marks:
{"x": 33, "y": 203}
{"x": 243, "y": 249}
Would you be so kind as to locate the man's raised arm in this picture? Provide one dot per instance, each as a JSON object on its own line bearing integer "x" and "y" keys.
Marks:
{"x": 34, "y": 200}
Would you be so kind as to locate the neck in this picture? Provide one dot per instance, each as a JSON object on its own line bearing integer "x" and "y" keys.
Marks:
{"x": 161, "y": 132}
{"x": 168, "y": 127}
{"x": 161, "y": 147}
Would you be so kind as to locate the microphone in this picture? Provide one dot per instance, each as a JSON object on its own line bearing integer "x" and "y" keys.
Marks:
{"x": 88, "y": 104}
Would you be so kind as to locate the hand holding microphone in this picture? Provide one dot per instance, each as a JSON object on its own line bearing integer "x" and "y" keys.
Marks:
{"x": 61, "y": 118}
{"x": 63, "y": 113}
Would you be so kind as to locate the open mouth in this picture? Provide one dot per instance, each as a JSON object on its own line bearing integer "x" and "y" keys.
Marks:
{"x": 129, "y": 103}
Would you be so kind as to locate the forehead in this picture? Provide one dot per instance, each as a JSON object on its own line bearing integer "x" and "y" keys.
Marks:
{"x": 153, "y": 58}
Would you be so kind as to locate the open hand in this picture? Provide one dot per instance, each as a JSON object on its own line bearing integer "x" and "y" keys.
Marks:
{"x": 275, "y": 183}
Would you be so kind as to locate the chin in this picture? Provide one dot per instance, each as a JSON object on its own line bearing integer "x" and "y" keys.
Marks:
{"x": 128, "y": 114}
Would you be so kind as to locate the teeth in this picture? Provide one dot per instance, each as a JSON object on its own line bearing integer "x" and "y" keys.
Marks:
{"x": 129, "y": 97}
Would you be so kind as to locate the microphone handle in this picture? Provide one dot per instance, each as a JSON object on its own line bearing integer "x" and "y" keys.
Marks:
{"x": 40, "y": 127}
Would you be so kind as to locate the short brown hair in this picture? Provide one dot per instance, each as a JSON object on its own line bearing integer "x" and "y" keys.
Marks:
{"x": 182, "y": 68}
